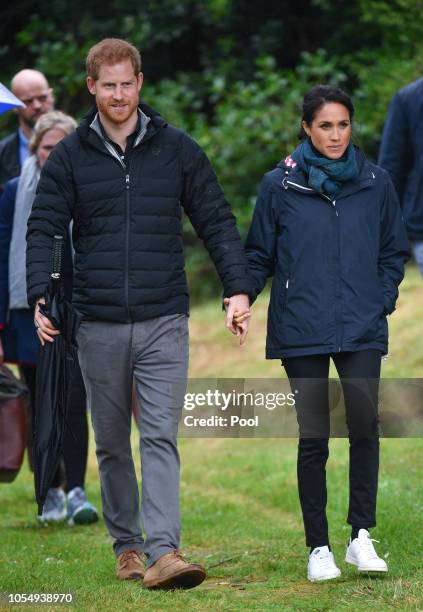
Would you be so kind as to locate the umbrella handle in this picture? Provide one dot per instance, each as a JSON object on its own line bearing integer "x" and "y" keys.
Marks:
{"x": 57, "y": 257}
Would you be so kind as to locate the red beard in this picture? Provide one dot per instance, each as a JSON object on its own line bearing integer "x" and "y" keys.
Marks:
{"x": 117, "y": 112}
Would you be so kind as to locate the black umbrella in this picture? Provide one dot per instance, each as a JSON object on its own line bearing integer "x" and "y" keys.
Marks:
{"x": 54, "y": 374}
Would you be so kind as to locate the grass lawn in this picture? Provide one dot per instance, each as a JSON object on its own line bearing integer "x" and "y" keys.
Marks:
{"x": 240, "y": 510}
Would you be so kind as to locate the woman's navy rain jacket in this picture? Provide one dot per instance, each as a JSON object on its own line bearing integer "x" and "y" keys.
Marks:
{"x": 336, "y": 265}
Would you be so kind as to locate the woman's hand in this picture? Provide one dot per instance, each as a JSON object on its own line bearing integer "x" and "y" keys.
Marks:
{"x": 45, "y": 329}
{"x": 240, "y": 317}
{"x": 238, "y": 306}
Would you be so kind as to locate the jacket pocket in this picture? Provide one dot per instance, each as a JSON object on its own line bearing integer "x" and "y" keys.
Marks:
{"x": 285, "y": 290}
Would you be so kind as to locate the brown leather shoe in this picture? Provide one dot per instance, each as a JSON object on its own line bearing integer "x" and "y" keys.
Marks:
{"x": 171, "y": 571}
{"x": 130, "y": 565}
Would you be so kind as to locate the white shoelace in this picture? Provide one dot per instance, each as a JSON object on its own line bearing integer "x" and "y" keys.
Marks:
{"x": 325, "y": 558}
{"x": 367, "y": 546}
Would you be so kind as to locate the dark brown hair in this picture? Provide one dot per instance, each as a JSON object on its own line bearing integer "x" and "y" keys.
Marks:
{"x": 317, "y": 97}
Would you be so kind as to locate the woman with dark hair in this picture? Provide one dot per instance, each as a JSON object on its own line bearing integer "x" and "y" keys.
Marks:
{"x": 328, "y": 228}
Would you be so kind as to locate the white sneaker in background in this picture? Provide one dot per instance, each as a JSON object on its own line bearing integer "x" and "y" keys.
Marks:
{"x": 80, "y": 510}
{"x": 321, "y": 565}
{"x": 361, "y": 552}
{"x": 54, "y": 508}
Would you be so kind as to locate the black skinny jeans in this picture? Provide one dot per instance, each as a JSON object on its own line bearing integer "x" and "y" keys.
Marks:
{"x": 309, "y": 376}
{"x": 71, "y": 471}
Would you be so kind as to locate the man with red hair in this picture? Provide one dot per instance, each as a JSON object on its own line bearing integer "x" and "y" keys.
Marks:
{"x": 124, "y": 178}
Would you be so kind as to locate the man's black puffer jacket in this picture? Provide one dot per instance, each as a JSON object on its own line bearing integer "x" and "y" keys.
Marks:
{"x": 127, "y": 232}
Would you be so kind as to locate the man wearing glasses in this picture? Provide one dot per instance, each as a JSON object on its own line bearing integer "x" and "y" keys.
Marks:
{"x": 32, "y": 88}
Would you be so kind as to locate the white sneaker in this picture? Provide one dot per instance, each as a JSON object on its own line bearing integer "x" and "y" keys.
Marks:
{"x": 54, "y": 508}
{"x": 361, "y": 552}
{"x": 80, "y": 511}
{"x": 321, "y": 565}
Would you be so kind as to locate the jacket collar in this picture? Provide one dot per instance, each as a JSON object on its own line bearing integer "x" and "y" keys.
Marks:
{"x": 90, "y": 130}
{"x": 141, "y": 128}
{"x": 295, "y": 178}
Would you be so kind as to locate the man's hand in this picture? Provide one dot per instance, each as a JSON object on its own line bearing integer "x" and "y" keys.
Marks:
{"x": 238, "y": 306}
{"x": 1, "y": 353}
{"x": 45, "y": 329}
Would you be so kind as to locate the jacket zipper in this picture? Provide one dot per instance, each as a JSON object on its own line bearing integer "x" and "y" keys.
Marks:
{"x": 285, "y": 301}
{"x": 127, "y": 190}
{"x": 301, "y": 187}
{"x": 112, "y": 151}
{"x": 127, "y": 213}
{"x": 339, "y": 333}
{"x": 338, "y": 259}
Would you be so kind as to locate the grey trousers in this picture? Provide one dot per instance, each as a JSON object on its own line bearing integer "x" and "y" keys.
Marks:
{"x": 154, "y": 353}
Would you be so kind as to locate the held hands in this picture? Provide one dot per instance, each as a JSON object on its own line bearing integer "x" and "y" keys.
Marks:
{"x": 238, "y": 315}
{"x": 45, "y": 329}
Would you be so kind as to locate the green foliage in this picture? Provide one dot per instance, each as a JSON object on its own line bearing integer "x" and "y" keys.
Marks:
{"x": 178, "y": 100}
{"x": 400, "y": 20}
{"x": 380, "y": 77}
